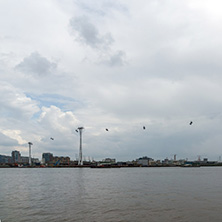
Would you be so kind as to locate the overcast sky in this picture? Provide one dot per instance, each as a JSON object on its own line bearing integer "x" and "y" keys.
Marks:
{"x": 110, "y": 64}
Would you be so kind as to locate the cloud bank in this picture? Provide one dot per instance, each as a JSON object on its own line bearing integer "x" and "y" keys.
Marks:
{"x": 111, "y": 65}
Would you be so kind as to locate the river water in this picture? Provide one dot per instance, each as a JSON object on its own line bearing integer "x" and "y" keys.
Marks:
{"x": 116, "y": 194}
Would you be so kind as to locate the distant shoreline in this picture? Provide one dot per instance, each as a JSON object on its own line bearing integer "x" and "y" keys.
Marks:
{"x": 108, "y": 167}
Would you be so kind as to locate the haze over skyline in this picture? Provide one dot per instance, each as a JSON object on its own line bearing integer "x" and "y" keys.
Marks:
{"x": 116, "y": 65}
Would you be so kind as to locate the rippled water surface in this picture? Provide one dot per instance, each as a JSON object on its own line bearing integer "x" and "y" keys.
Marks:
{"x": 122, "y": 194}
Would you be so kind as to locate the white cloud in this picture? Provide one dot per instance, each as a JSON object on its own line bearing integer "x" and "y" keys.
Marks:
{"x": 54, "y": 118}
{"x": 14, "y": 134}
{"x": 15, "y": 104}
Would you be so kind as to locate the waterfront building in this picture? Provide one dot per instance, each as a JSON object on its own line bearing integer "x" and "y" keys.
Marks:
{"x": 16, "y": 156}
{"x": 144, "y": 161}
{"x": 109, "y": 160}
{"x": 165, "y": 161}
{"x": 35, "y": 160}
{"x": 60, "y": 160}
{"x": 24, "y": 159}
{"x": 73, "y": 162}
{"x": 5, "y": 159}
{"x": 47, "y": 157}
{"x": 153, "y": 163}
{"x": 50, "y": 160}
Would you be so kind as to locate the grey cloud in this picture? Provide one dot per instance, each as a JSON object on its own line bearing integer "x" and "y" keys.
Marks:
{"x": 6, "y": 141}
{"x": 36, "y": 64}
{"x": 115, "y": 59}
{"x": 89, "y": 34}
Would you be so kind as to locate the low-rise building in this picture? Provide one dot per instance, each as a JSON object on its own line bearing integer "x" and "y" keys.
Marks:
{"x": 5, "y": 159}
{"x": 60, "y": 160}
{"x": 24, "y": 159}
{"x": 144, "y": 161}
{"x": 109, "y": 160}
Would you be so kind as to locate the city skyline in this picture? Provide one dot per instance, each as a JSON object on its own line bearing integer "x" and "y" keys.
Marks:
{"x": 133, "y": 74}
{"x": 17, "y": 155}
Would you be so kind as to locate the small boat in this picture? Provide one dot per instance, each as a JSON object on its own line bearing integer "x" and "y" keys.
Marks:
{"x": 190, "y": 165}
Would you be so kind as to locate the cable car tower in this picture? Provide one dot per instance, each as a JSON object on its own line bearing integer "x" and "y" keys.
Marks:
{"x": 80, "y": 162}
{"x": 30, "y": 159}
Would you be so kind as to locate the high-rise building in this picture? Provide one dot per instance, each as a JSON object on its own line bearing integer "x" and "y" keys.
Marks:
{"x": 47, "y": 157}
{"x": 16, "y": 156}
